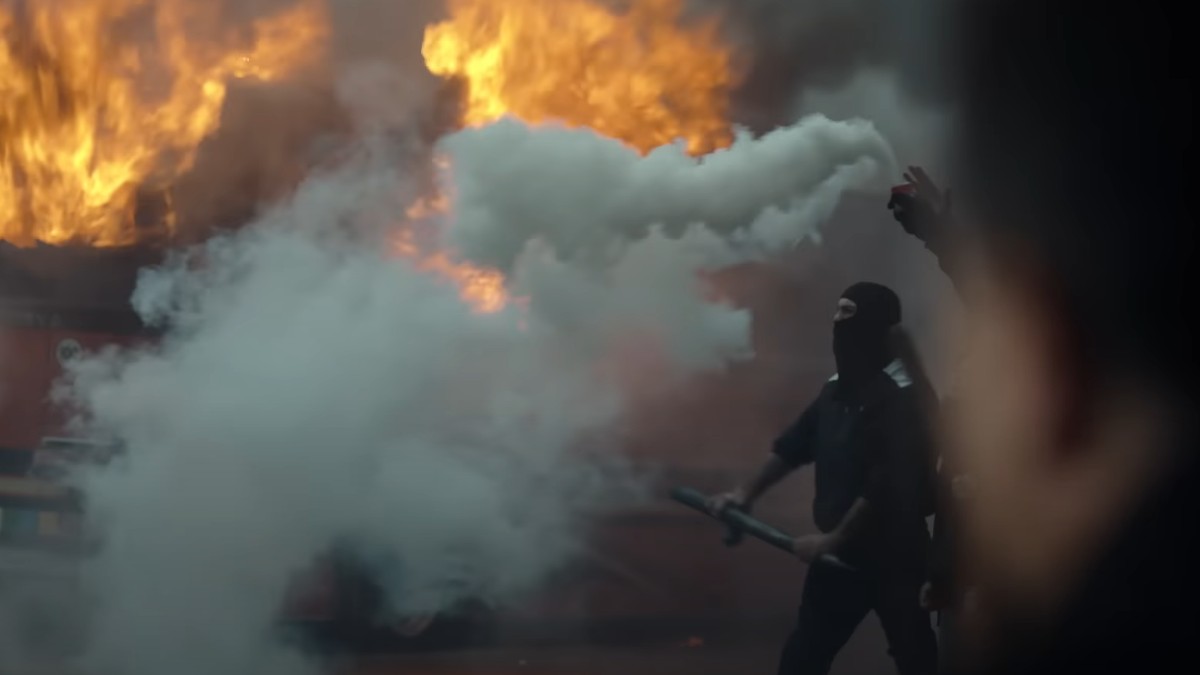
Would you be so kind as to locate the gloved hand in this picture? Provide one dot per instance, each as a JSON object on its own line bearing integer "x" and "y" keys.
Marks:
{"x": 734, "y": 499}
{"x": 922, "y": 209}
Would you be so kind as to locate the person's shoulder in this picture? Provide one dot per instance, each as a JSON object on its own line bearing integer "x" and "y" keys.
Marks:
{"x": 898, "y": 376}
{"x": 894, "y": 386}
{"x": 894, "y": 377}
{"x": 828, "y": 385}
{"x": 825, "y": 394}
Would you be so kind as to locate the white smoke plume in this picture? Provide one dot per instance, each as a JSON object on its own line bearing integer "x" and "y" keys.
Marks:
{"x": 583, "y": 193}
{"x": 606, "y": 243}
{"x": 915, "y": 130}
{"x": 315, "y": 389}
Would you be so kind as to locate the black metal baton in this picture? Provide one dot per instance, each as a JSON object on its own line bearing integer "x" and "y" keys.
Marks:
{"x": 741, "y": 521}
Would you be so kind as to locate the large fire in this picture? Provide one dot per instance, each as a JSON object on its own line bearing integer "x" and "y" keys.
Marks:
{"x": 102, "y": 98}
{"x": 638, "y": 74}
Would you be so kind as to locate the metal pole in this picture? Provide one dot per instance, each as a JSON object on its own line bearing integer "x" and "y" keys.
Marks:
{"x": 740, "y": 521}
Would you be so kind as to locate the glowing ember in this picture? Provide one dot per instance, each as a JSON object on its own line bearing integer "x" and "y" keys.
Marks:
{"x": 90, "y": 112}
{"x": 640, "y": 76}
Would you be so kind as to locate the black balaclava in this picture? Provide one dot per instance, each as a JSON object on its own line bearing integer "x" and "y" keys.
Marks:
{"x": 860, "y": 343}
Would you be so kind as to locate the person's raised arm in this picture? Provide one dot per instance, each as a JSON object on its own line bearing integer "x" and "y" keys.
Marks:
{"x": 923, "y": 210}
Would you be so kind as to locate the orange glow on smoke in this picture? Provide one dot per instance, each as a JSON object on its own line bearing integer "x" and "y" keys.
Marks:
{"x": 102, "y": 98}
{"x": 641, "y": 75}
{"x": 481, "y": 288}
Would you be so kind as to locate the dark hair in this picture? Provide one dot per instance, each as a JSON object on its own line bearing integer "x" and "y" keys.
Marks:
{"x": 1076, "y": 126}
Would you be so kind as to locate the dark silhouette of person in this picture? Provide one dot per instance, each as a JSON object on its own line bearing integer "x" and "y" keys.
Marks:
{"x": 867, "y": 435}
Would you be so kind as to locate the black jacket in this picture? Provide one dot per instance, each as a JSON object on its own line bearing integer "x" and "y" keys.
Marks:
{"x": 942, "y": 563}
{"x": 874, "y": 444}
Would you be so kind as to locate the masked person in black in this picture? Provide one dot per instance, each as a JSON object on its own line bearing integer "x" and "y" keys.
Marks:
{"x": 867, "y": 435}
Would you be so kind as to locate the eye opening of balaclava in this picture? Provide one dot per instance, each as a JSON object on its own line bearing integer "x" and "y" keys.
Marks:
{"x": 861, "y": 344}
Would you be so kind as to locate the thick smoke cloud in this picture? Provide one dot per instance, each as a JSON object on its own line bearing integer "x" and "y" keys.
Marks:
{"x": 587, "y": 226}
{"x": 314, "y": 390}
{"x": 768, "y": 192}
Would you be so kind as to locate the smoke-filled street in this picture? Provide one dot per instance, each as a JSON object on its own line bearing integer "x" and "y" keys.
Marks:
{"x": 606, "y": 660}
{"x": 862, "y": 657}
{"x": 594, "y": 337}
{"x": 360, "y": 313}
{"x": 595, "y": 660}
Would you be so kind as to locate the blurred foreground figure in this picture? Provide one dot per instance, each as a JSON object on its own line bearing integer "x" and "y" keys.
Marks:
{"x": 867, "y": 434}
{"x": 923, "y": 210}
{"x": 1077, "y": 412}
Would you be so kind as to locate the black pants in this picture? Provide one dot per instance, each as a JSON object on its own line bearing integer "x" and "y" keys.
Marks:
{"x": 836, "y": 601}
{"x": 949, "y": 650}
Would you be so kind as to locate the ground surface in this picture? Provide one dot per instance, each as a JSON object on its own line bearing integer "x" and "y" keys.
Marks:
{"x": 864, "y": 655}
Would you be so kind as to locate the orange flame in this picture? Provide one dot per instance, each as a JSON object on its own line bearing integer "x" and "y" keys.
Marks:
{"x": 89, "y": 116}
{"x": 480, "y": 288}
{"x": 640, "y": 76}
